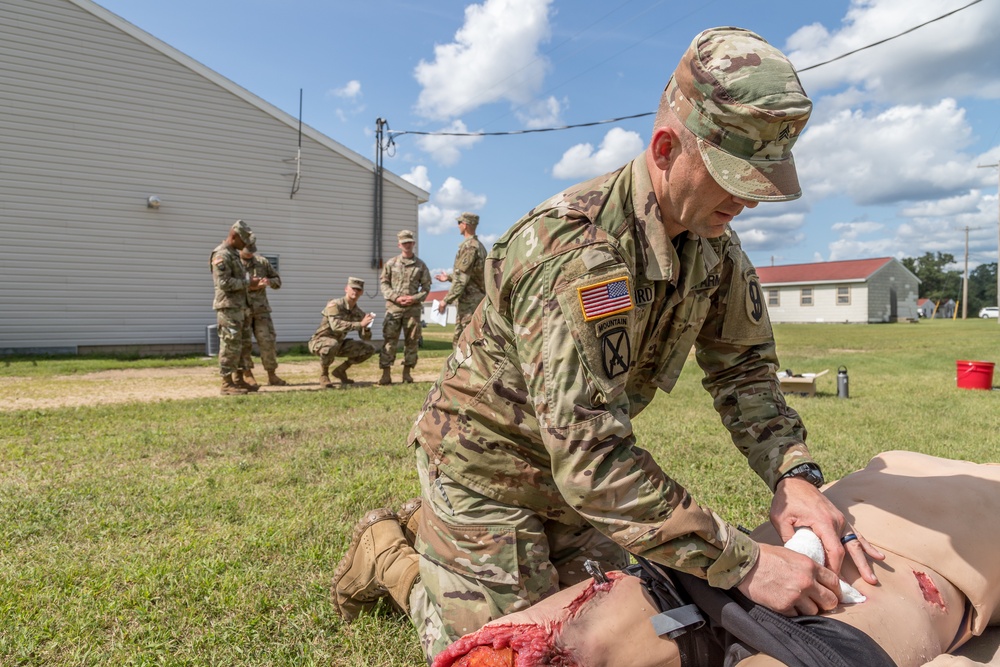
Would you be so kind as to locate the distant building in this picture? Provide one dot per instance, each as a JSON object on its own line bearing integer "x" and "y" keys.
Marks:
{"x": 856, "y": 291}
{"x": 123, "y": 162}
{"x": 925, "y": 308}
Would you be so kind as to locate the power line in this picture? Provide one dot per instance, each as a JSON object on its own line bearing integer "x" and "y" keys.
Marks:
{"x": 889, "y": 39}
{"x": 397, "y": 133}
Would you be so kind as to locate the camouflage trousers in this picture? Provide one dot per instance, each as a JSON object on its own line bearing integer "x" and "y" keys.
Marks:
{"x": 234, "y": 333}
{"x": 481, "y": 559}
{"x": 394, "y": 324}
{"x": 263, "y": 330}
{"x": 329, "y": 349}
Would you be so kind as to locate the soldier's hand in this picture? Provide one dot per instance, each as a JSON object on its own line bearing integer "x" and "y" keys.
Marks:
{"x": 790, "y": 583}
{"x": 442, "y": 277}
{"x": 442, "y": 307}
{"x": 367, "y": 319}
{"x": 798, "y": 503}
{"x": 404, "y": 300}
{"x": 254, "y": 284}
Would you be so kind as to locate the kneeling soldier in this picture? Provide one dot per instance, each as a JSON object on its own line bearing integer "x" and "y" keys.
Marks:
{"x": 340, "y": 317}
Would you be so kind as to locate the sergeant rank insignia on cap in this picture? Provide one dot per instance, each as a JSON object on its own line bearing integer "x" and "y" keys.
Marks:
{"x": 606, "y": 298}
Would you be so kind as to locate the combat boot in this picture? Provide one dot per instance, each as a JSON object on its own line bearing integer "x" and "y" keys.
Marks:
{"x": 250, "y": 380}
{"x": 409, "y": 519}
{"x": 324, "y": 376}
{"x": 407, "y": 378}
{"x": 378, "y": 562}
{"x": 386, "y": 376}
{"x": 274, "y": 380}
{"x": 340, "y": 372}
{"x": 240, "y": 382}
{"x": 229, "y": 388}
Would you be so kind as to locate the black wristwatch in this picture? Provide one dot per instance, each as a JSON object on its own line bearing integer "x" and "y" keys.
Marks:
{"x": 807, "y": 471}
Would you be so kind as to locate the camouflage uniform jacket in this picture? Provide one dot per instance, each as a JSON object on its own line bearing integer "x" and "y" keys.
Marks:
{"x": 260, "y": 267}
{"x": 339, "y": 319}
{"x": 230, "y": 278}
{"x": 535, "y": 409}
{"x": 468, "y": 279}
{"x": 405, "y": 276}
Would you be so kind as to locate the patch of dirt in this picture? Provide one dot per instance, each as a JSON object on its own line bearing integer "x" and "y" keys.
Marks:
{"x": 147, "y": 385}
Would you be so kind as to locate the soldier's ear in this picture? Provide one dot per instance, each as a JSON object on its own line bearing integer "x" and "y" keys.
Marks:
{"x": 664, "y": 147}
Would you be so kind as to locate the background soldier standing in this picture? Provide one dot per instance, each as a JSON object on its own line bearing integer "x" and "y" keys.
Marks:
{"x": 232, "y": 312}
{"x": 405, "y": 283}
{"x": 339, "y": 317}
{"x": 468, "y": 286}
{"x": 261, "y": 324}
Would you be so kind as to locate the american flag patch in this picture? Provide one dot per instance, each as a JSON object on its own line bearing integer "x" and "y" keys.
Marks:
{"x": 607, "y": 298}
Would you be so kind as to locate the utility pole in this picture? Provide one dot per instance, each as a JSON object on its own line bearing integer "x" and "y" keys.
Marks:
{"x": 965, "y": 278}
{"x": 991, "y": 166}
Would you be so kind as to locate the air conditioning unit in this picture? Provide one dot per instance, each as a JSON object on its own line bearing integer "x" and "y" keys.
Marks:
{"x": 212, "y": 340}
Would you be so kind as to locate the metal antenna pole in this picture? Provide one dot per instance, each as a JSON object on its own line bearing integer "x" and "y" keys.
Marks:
{"x": 377, "y": 207}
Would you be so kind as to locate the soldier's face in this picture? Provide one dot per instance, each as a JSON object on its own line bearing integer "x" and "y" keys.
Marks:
{"x": 352, "y": 294}
{"x": 407, "y": 248}
{"x": 693, "y": 201}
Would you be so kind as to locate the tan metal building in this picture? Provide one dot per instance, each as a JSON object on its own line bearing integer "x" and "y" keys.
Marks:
{"x": 96, "y": 118}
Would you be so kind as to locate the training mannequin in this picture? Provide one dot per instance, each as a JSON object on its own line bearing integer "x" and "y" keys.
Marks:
{"x": 936, "y": 520}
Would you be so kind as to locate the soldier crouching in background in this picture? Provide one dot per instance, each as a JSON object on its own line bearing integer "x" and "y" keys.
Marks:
{"x": 340, "y": 317}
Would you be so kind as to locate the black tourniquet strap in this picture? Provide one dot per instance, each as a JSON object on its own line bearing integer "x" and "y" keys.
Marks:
{"x": 679, "y": 619}
{"x": 747, "y": 628}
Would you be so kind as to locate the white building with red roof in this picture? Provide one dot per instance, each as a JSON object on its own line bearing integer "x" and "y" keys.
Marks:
{"x": 853, "y": 291}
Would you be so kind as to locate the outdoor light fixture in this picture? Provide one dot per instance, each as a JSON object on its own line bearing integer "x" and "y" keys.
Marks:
{"x": 153, "y": 202}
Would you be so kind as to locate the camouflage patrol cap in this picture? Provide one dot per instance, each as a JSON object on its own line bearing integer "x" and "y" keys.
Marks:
{"x": 356, "y": 283}
{"x": 471, "y": 219}
{"x": 405, "y": 236}
{"x": 742, "y": 99}
{"x": 243, "y": 229}
{"x": 251, "y": 244}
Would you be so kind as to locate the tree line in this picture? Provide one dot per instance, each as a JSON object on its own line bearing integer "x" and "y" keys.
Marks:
{"x": 938, "y": 283}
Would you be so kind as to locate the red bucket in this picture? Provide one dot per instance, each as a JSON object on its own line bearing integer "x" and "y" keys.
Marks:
{"x": 975, "y": 374}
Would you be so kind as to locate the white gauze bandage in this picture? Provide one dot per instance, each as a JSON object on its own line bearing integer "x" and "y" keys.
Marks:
{"x": 807, "y": 543}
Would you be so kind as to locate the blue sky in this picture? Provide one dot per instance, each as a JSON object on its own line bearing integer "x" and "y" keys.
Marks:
{"x": 889, "y": 161}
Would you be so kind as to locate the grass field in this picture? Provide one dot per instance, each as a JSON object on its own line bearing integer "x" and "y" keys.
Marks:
{"x": 205, "y": 532}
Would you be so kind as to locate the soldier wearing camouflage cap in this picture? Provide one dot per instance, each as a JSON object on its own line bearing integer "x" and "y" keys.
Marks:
{"x": 340, "y": 317}
{"x": 525, "y": 448}
{"x": 405, "y": 282}
{"x": 232, "y": 306}
{"x": 468, "y": 280}
{"x": 261, "y": 324}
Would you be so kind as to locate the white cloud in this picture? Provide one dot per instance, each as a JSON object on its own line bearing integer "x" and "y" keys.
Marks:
{"x": 351, "y": 90}
{"x": 543, "y": 113}
{"x": 494, "y": 57}
{"x": 770, "y": 232}
{"x": 950, "y": 206}
{"x": 582, "y": 161}
{"x": 947, "y": 58}
{"x": 900, "y": 154}
{"x": 930, "y": 227}
{"x": 418, "y": 176}
{"x": 351, "y": 94}
{"x": 439, "y": 215}
{"x": 446, "y": 150}
{"x": 853, "y": 230}
{"x": 488, "y": 240}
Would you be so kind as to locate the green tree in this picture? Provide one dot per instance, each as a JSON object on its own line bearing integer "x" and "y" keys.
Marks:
{"x": 936, "y": 282}
{"x": 982, "y": 287}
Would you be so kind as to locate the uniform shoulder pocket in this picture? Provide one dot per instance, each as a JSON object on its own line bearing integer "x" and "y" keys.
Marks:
{"x": 745, "y": 320}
